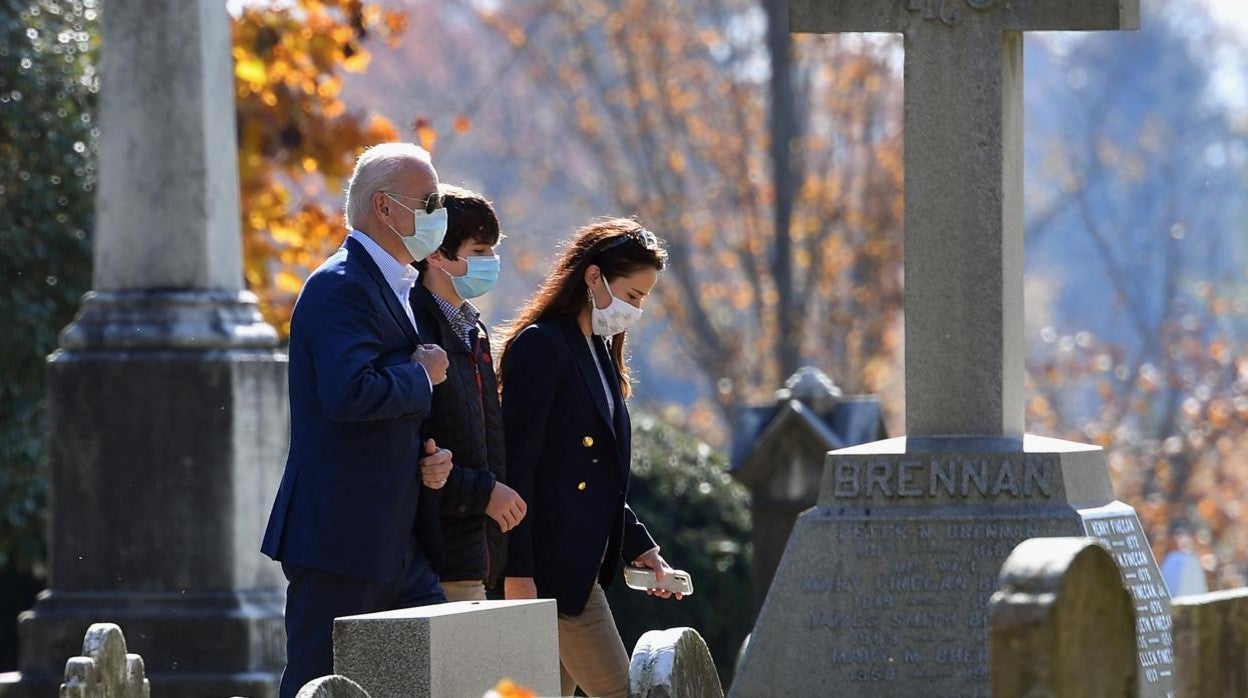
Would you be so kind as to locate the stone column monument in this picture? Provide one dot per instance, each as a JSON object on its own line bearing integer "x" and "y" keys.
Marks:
{"x": 883, "y": 587}
{"x": 166, "y": 400}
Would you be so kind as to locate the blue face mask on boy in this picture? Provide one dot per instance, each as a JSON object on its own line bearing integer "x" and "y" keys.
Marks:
{"x": 480, "y": 278}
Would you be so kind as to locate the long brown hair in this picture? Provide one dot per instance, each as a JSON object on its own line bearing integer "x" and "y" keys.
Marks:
{"x": 619, "y": 246}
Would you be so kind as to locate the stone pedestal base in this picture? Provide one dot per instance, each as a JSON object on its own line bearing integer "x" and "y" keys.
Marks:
{"x": 200, "y": 644}
{"x": 884, "y": 586}
{"x": 168, "y": 426}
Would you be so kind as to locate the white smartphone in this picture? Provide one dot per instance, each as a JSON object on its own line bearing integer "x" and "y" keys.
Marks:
{"x": 642, "y": 578}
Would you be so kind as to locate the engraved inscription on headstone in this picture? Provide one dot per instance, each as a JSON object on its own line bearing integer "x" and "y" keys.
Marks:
{"x": 1119, "y": 530}
{"x": 885, "y": 584}
{"x": 906, "y": 605}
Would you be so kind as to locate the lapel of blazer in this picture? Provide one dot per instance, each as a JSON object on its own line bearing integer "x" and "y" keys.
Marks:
{"x": 356, "y": 249}
{"x": 589, "y": 371}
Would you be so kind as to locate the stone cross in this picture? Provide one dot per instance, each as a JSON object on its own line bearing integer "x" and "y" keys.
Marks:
{"x": 883, "y": 587}
{"x": 964, "y": 192}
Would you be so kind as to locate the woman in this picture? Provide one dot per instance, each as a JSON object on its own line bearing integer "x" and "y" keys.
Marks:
{"x": 568, "y": 442}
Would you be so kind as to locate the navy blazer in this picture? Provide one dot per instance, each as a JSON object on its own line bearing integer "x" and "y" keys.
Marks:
{"x": 569, "y": 460}
{"x": 349, "y": 498}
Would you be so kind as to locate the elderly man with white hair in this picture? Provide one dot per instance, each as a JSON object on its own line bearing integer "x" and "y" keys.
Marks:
{"x": 355, "y": 521}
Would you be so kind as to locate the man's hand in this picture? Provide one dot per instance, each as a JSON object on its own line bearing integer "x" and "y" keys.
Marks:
{"x": 433, "y": 358}
{"x": 519, "y": 588}
{"x": 653, "y": 560}
{"x": 435, "y": 466}
{"x": 505, "y": 507}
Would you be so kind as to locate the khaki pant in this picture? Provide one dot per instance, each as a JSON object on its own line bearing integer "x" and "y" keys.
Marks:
{"x": 591, "y": 653}
{"x": 466, "y": 590}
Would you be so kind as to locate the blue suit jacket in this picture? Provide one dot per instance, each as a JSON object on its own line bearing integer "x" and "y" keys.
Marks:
{"x": 350, "y": 498}
{"x": 569, "y": 460}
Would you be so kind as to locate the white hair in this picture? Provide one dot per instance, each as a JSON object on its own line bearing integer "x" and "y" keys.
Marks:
{"x": 377, "y": 169}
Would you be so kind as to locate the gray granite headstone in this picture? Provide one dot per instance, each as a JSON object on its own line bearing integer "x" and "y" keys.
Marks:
{"x": 1061, "y": 624}
{"x": 1118, "y": 529}
{"x": 1211, "y": 643}
{"x": 883, "y": 587}
{"x": 167, "y": 408}
{"x": 673, "y": 663}
{"x": 454, "y": 649}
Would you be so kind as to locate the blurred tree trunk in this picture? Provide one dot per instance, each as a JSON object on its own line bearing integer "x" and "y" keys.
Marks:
{"x": 785, "y": 135}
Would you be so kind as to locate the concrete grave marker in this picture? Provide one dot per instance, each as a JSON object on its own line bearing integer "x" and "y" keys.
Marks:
{"x": 453, "y": 649}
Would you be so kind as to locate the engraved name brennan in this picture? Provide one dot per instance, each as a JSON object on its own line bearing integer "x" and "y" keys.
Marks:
{"x": 963, "y": 477}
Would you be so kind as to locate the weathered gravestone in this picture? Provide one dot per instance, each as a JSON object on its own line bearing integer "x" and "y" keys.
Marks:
{"x": 1211, "y": 643}
{"x": 1062, "y": 624}
{"x": 105, "y": 669}
{"x": 778, "y": 452}
{"x": 332, "y": 686}
{"x": 883, "y": 587}
{"x": 167, "y": 406}
{"x": 453, "y": 649}
{"x": 673, "y": 663}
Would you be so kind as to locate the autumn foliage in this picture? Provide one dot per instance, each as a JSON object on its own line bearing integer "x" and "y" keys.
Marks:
{"x": 297, "y": 139}
{"x": 665, "y": 108}
{"x": 660, "y": 109}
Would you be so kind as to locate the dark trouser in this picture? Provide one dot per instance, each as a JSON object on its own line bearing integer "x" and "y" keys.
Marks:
{"x": 314, "y": 599}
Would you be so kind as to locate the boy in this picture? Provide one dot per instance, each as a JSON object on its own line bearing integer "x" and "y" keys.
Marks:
{"x": 477, "y": 507}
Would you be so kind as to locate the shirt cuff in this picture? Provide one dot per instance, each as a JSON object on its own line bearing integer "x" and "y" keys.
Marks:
{"x": 427, "y": 378}
{"x": 655, "y": 549}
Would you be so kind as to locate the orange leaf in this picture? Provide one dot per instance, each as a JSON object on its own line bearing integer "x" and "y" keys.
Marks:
{"x": 425, "y": 133}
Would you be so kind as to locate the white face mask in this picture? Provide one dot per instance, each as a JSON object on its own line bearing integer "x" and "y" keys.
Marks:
{"x": 613, "y": 319}
{"x": 429, "y": 229}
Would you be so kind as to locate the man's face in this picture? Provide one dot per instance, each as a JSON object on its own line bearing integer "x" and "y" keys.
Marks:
{"x": 417, "y": 183}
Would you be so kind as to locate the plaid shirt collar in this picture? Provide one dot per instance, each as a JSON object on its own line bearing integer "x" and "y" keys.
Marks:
{"x": 463, "y": 319}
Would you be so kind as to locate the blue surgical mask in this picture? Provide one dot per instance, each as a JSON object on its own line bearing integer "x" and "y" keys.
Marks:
{"x": 481, "y": 275}
{"x": 430, "y": 231}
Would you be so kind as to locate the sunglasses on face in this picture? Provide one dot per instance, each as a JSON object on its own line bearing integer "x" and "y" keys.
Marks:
{"x": 428, "y": 204}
